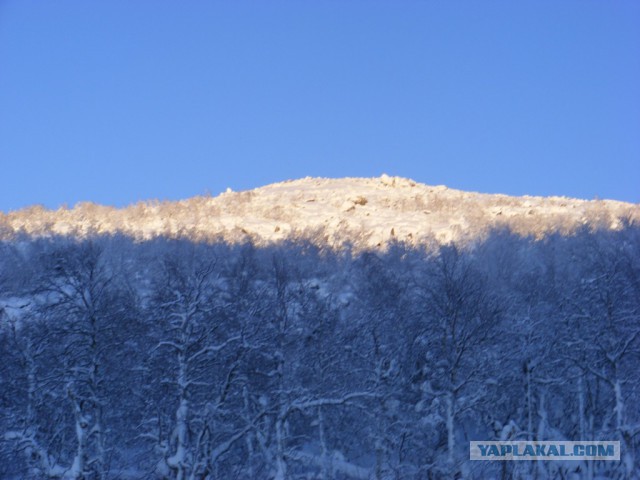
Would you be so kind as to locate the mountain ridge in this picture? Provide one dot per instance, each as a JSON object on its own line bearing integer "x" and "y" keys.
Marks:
{"x": 362, "y": 212}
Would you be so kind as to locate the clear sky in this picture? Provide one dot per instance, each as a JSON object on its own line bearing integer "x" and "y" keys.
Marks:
{"x": 116, "y": 101}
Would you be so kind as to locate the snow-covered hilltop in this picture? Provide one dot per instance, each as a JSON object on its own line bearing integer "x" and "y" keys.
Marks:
{"x": 366, "y": 212}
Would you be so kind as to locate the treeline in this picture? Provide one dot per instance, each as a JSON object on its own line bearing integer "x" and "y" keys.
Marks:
{"x": 180, "y": 360}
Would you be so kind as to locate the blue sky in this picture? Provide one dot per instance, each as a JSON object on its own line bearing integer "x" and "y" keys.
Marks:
{"x": 118, "y": 101}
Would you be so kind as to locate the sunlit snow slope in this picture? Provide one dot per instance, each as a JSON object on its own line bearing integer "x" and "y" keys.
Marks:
{"x": 364, "y": 212}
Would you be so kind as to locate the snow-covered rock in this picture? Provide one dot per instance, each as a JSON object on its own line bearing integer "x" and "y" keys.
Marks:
{"x": 362, "y": 212}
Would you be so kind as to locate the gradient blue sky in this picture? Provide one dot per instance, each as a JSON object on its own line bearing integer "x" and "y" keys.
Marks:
{"x": 118, "y": 101}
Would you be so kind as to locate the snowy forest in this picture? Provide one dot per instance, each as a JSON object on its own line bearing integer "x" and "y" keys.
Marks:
{"x": 174, "y": 359}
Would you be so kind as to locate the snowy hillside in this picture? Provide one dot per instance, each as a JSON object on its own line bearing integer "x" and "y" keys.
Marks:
{"x": 184, "y": 360}
{"x": 366, "y": 212}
